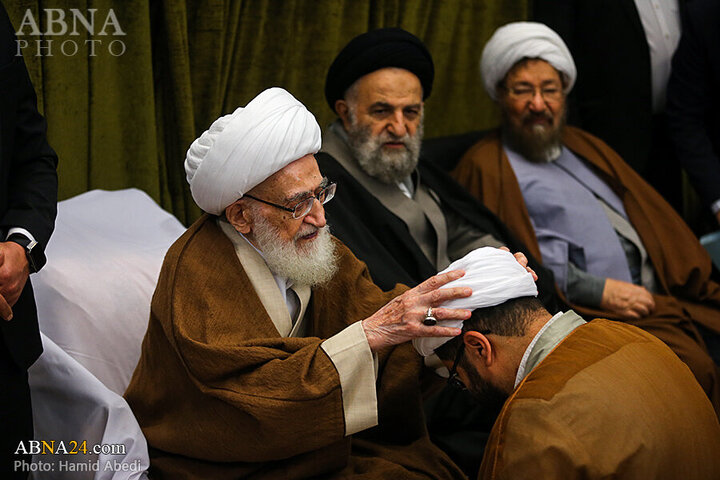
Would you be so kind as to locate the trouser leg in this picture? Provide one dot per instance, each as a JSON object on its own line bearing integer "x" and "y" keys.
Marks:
{"x": 16, "y": 423}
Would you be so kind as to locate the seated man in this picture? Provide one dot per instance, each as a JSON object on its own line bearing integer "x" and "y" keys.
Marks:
{"x": 581, "y": 400}
{"x": 617, "y": 249}
{"x": 269, "y": 351}
{"x": 403, "y": 216}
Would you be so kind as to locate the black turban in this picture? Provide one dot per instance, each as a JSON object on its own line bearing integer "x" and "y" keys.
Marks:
{"x": 382, "y": 48}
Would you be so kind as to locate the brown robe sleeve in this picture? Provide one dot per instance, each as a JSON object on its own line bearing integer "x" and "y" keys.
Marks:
{"x": 232, "y": 389}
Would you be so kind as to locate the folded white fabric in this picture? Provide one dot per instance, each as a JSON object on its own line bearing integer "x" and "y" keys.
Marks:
{"x": 242, "y": 149}
{"x": 495, "y": 277}
{"x": 515, "y": 41}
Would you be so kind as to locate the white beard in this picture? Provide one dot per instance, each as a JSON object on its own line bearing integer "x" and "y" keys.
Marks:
{"x": 313, "y": 264}
{"x": 388, "y": 167}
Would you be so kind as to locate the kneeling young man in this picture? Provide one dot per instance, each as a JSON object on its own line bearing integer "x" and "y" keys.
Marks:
{"x": 594, "y": 399}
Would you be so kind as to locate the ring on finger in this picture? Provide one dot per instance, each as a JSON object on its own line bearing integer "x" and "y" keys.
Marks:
{"x": 430, "y": 319}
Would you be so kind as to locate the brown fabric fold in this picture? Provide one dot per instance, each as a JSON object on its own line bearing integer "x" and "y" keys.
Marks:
{"x": 688, "y": 294}
{"x": 219, "y": 394}
{"x": 610, "y": 401}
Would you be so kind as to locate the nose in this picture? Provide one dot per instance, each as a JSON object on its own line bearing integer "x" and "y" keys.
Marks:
{"x": 316, "y": 215}
{"x": 537, "y": 103}
{"x": 397, "y": 124}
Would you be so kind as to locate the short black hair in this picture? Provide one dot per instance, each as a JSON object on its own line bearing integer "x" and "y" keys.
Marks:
{"x": 509, "y": 319}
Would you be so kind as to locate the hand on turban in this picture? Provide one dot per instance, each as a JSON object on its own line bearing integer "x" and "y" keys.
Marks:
{"x": 242, "y": 149}
{"x": 494, "y": 276}
{"x": 371, "y": 51}
{"x": 515, "y": 41}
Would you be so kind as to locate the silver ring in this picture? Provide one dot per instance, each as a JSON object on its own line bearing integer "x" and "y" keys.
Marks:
{"x": 430, "y": 320}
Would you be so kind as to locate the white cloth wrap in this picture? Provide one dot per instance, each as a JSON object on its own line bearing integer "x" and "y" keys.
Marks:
{"x": 515, "y": 41}
{"x": 242, "y": 149}
{"x": 495, "y": 277}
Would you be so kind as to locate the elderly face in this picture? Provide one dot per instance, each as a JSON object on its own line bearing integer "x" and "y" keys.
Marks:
{"x": 291, "y": 185}
{"x": 383, "y": 116}
{"x": 533, "y": 108}
{"x": 299, "y": 249}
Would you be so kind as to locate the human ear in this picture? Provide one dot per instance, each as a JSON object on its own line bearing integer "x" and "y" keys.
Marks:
{"x": 239, "y": 217}
{"x": 479, "y": 347}
{"x": 343, "y": 111}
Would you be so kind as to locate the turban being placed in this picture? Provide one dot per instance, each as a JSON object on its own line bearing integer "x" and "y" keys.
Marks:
{"x": 371, "y": 51}
{"x": 494, "y": 276}
{"x": 515, "y": 41}
{"x": 242, "y": 149}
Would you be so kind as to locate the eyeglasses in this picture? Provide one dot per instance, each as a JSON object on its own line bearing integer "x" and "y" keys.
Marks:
{"x": 323, "y": 195}
{"x": 526, "y": 93}
{"x": 454, "y": 379}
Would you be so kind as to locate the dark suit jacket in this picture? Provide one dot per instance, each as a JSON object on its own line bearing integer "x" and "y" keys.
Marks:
{"x": 28, "y": 184}
{"x": 612, "y": 97}
{"x": 693, "y": 101}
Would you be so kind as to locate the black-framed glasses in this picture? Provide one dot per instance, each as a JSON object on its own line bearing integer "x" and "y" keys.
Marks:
{"x": 454, "y": 379}
{"x": 323, "y": 195}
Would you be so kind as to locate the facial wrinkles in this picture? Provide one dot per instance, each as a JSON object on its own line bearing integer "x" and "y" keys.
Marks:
{"x": 388, "y": 166}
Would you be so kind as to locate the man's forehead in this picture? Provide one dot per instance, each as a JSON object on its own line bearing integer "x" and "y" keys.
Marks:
{"x": 390, "y": 84}
{"x": 536, "y": 68}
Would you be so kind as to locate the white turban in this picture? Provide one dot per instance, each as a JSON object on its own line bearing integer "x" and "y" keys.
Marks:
{"x": 494, "y": 276}
{"x": 242, "y": 149}
{"x": 515, "y": 41}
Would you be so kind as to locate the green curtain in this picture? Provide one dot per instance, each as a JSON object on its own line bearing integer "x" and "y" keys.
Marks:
{"x": 126, "y": 120}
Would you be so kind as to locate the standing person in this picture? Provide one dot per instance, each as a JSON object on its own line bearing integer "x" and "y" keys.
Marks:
{"x": 28, "y": 198}
{"x": 622, "y": 78}
{"x": 693, "y": 101}
{"x": 589, "y": 400}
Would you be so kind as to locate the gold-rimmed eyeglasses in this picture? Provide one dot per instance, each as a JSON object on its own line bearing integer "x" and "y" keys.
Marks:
{"x": 323, "y": 195}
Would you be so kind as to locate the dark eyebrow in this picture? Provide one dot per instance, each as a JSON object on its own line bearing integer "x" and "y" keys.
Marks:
{"x": 300, "y": 196}
{"x": 392, "y": 107}
{"x": 381, "y": 104}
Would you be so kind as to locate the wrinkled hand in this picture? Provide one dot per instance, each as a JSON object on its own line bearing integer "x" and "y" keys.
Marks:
{"x": 14, "y": 271}
{"x": 402, "y": 318}
{"x": 627, "y": 300}
{"x": 522, "y": 260}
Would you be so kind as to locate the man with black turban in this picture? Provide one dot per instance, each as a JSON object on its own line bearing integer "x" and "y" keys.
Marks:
{"x": 402, "y": 215}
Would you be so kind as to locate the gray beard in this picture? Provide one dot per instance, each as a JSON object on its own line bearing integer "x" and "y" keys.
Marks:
{"x": 313, "y": 264}
{"x": 538, "y": 144}
{"x": 388, "y": 167}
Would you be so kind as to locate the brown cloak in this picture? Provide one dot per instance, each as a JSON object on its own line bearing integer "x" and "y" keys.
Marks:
{"x": 688, "y": 295}
{"x": 581, "y": 414}
{"x": 219, "y": 394}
